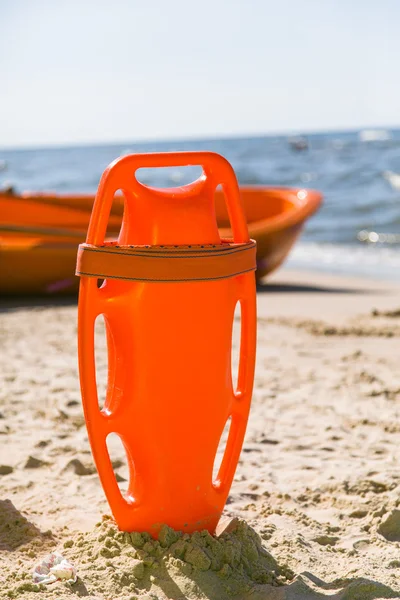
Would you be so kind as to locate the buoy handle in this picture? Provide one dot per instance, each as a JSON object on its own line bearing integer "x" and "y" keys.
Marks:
{"x": 120, "y": 175}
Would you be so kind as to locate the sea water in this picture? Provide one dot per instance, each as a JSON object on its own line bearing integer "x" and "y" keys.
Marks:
{"x": 356, "y": 171}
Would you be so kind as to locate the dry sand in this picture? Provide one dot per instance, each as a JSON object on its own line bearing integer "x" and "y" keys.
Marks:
{"x": 318, "y": 479}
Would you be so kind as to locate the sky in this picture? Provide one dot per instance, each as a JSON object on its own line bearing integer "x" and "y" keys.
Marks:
{"x": 93, "y": 71}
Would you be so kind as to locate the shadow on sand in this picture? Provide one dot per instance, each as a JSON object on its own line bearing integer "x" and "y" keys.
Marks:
{"x": 15, "y": 529}
{"x": 309, "y": 587}
{"x": 270, "y": 288}
{"x": 13, "y": 303}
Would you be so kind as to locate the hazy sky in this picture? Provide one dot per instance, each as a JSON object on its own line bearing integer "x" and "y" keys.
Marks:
{"x": 75, "y": 71}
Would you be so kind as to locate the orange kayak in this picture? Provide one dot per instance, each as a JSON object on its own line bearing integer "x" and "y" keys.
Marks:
{"x": 275, "y": 219}
{"x": 55, "y": 212}
{"x": 31, "y": 265}
{"x": 39, "y": 233}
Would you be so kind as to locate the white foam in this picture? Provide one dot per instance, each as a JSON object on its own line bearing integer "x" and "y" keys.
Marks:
{"x": 370, "y": 260}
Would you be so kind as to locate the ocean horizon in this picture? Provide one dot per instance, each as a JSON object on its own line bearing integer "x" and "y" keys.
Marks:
{"x": 357, "y": 171}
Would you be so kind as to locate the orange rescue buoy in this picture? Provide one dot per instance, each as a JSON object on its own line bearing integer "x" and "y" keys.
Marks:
{"x": 168, "y": 298}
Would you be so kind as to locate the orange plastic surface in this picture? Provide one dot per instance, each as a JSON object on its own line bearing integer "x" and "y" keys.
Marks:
{"x": 166, "y": 264}
{"x": 170, "y": 390}
{"x": 34, "y": 211}
{"x": 30, "y": 265}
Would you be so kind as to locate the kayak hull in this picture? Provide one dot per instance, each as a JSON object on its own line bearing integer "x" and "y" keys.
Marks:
{"x": 34, "y": 267}
{"x": 38, "y": 252}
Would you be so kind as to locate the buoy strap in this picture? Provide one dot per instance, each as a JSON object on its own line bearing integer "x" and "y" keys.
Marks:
{"x": 166, "y": 263}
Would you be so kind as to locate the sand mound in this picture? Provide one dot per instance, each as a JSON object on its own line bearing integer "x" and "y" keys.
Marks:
{"x": 115, "y": 564}
{"x": 196, "y": 564}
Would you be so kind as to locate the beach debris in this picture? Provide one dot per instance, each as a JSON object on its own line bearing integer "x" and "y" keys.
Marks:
{"x": 54, "y": 567}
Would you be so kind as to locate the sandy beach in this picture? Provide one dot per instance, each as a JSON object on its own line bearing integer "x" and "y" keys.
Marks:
{"x": 318, "y": 479}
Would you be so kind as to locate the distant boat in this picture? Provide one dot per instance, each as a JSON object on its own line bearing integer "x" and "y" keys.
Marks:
{"x": 298, "y": 143}
{"x": 39, "y": 233}
{"x": 3, "y": 165}
{"x": 374, "y": 135}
